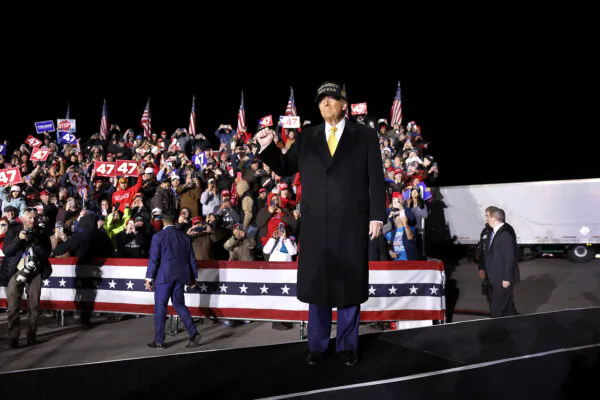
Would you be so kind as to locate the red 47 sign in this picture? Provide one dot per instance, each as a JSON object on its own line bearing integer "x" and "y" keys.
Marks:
{"x": 127, "y": 168}
{"x": 39, "y": 154}
{"x": 105, "y": 169}
{"x": 10, "y": 176}
{"x": 359, "y": 109}
{"x": 33, "y": 141}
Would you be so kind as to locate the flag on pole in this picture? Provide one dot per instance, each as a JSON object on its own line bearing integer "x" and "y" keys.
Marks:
{"x": 192, "y": 129}
{"x": 397, "y": 108}
{"x": 344, "y": 88}
{"x": 291, "y": 105}
{"x": 147, "y": 120}
{"x": 104, "y": 122}
{"x": 68, "y": 110}
{"x": 241, "y": 115}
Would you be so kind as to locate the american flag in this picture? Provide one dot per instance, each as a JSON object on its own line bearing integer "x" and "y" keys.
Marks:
{"x": 192, "y": 130}
{"x": 241, "y": 115}
{"x": 147, "y": 120}
{"x": 397, "y": 108}
{"x": 291, "y": 105}
{"x": 104, "y": 121}
{"x": 404, "y": 290}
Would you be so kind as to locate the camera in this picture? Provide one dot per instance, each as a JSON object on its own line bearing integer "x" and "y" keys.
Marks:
{"x": 29, "y": 266}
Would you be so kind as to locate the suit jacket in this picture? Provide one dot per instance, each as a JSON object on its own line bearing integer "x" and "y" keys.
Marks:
{"x": 171, "y": 258}
{"x": 501, "y": 258}
{"x": 340, "y": 195}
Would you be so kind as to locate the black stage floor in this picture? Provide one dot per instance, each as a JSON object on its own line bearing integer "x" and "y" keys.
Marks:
{"x": 539, "y": 356}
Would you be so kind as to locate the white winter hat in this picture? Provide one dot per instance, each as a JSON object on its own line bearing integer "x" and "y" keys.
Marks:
{"x": 149, "y": 171}
{"x": 15, "y": 189}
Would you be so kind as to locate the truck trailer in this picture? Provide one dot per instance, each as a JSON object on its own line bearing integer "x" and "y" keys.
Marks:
{"x": 550, "y": 218}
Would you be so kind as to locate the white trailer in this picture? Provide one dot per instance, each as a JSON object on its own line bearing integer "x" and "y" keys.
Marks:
{"x": 549, "y": 216}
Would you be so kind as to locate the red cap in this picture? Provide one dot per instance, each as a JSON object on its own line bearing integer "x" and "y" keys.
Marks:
{"x": 262, "y": 190}
{"x": 225, "y": 193}
{"x": 390, "y": 169}
{"x": 396, "y": 195}
{"x": 44, "y": 193}
{"x": 109, "y": 155}
{"x": 283, "y": 186}
{"x": 196, "y": 220}
{"x": 138, "y": 195}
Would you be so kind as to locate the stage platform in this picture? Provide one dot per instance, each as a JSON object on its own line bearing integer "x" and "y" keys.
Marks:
{"x": 539, "y": 356}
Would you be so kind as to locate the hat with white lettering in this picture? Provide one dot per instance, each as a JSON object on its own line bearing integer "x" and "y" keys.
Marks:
{"x": 331, "y": 89}
{"x": 15, "y": 189}
{"x": 149, "y": 171}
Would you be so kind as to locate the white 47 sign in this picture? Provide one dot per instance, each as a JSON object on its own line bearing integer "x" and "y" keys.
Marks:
{"x": 127, "y": 168}
{"x": 10, "y": 176}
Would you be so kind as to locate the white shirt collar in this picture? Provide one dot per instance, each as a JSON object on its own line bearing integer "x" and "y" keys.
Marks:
{"x": 340, "y": 128}
{"x": 498, "y": 227}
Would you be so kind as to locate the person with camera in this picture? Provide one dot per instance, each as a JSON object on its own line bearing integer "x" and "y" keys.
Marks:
{"x": 203, "y": 237}
{"x": 26, "y": 250}
{"x": 239, "y": 246}
{"x": 210, "y": 199}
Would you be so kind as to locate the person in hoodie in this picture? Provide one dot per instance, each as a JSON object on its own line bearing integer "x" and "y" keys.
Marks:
{"x": 124, "y": 194}
{"x": 133, "y": 242}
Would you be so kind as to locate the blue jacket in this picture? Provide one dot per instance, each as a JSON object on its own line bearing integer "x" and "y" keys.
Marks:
{"x": 171, "y": 258}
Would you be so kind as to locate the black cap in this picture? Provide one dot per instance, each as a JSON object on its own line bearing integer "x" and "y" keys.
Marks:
{"x": 331, "y": 89}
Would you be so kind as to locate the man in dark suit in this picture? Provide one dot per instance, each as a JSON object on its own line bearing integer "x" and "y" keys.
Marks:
{"x": 343, "y": 203}
{"x": 501, "y": 266}
{"x": 171, "y": 265}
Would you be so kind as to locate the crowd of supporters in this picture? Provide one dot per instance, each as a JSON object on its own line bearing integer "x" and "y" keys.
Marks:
{"x": 231, "y": 204}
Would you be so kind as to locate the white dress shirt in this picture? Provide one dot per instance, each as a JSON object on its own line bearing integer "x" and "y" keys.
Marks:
{"x": 340, "y": 129}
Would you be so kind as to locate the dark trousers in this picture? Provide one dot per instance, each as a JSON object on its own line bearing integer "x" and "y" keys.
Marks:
{"x": 319, "y": 328}
{"x": 502, "y": 301}
{"x": 14, "y": 292}
{"x": 162, "y": 293}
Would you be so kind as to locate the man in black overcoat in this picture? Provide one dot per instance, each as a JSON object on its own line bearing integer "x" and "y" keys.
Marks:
{"x": 342, "y": 208}
{"x": 501, "y": 264}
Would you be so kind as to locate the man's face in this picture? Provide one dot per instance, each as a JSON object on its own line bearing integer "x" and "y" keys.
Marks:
{"x": 488, "y": 219}
{"x": 426, "y": 162}
{"x": 122, "y": 185}
{"x": 45, "y": 198}
{"x": 104, "y": 204}
{"x": 331, "y": 108}
{"x": 28, "y": 219}
{"x": 262, "y": 195}
{"x": 185, "y": 213}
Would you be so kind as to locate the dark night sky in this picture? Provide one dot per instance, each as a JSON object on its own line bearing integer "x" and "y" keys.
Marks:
{"x": 489, "y": 119}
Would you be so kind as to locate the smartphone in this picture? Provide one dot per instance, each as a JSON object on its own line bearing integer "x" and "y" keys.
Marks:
{"x": 281, "y": 227}
{"x": 200, "y": 228}
{"x": 272, "y": 203}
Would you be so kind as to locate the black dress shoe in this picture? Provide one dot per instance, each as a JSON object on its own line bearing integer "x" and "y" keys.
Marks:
{"x": 348, "y": 357}
{"x": 194, "y": 341}
{"x": 154, "y": 345}
{"x": 315, "y": 357}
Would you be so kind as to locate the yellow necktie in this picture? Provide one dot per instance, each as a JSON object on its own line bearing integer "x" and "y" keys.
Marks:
{"x": 332, "y": 142}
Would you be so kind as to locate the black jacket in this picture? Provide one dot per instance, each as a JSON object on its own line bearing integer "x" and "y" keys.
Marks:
{"x": 502, "y": 256}
{"x": 14, "y": 248}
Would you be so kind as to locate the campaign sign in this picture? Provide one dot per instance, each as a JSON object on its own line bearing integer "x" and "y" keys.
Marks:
{"x": 10, "y": 176}
{"x": 199, "y": 160}
{"x": 105, "y": 169}
{"x": 266, "y": 121}
{"x": 127, "y": 168}
{"x": 39, "y": 154}
{"x": 3, "y": 149}
{"x": 33, "y": 141}
{"x": 289, "y": 122}
{"x": 66, "y": 137}
{"x": 77, "y": 179}
{"x": 359, "y": 109}
{"x": 66, "y": 125}
{"x": 44, "y": 126}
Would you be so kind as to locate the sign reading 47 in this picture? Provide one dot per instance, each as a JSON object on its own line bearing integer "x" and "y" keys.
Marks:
{"x": 10, "y": 176}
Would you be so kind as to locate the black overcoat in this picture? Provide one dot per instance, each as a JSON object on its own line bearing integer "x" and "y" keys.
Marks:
{"x": 340, "y": 195}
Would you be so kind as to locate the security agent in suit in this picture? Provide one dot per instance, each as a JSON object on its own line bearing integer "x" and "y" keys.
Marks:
{"x": 501, "y": 264}
{"x": 171, "y": 265}
{"x": 343, "y": 203}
